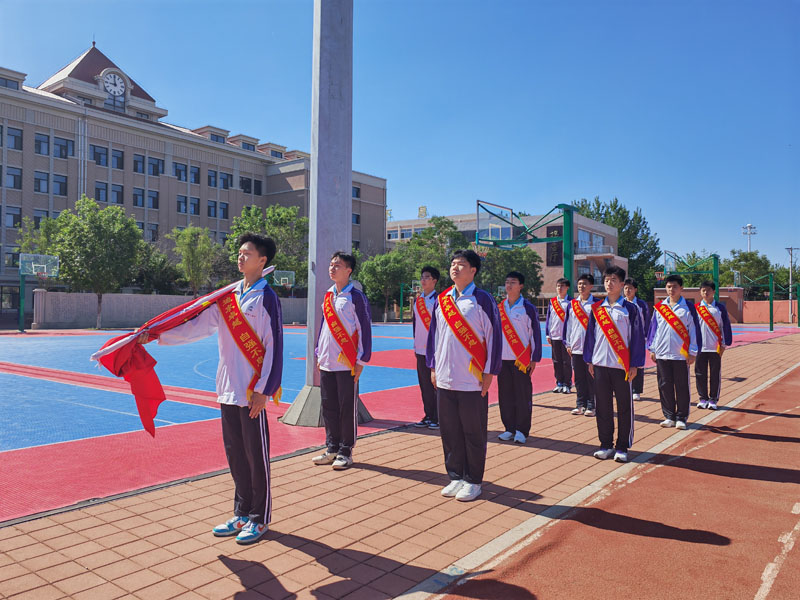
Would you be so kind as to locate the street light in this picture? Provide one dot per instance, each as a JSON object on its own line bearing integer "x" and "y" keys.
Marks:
{"x": 749, "y": 230}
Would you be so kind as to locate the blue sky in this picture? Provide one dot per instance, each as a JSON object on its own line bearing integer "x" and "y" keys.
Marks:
{"x": 686, "y": 108}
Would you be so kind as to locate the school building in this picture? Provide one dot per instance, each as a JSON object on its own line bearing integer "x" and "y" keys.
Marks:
{"x": 92, "y": 129}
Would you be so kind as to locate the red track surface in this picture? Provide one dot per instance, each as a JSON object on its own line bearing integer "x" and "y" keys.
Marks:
{"x": 707, "y": 522}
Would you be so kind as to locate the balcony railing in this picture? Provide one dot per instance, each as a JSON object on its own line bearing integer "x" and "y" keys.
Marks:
{"x": 585, "y": 249}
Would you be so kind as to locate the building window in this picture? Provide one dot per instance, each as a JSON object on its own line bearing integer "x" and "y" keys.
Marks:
{"x": 212, "y": 178}
{"x": 138, "y": 163}
{"x": 246, "y": 185}
{"x": 182, "y": 204}
{"x": 14, "y": 138}
{"x": 356, "y": 244}
{"x": 392, "y": 234}
{"x": 418, "y": 230}
{"x": 9, "y": 83}
{"x": 225, "y": 180}
{"x": 155, "y": 166}
{"x": 194, "y": 174}
{"x": 222, "y": 236}
{"x": 14, "y": 178}
{"x": 212, "y": 209}
{"x": 62, "y": 148}
{"x": 117, "y": 159}
{"x": 152, "y": 232}
{"x": 179, "y": 171}
{"x": 13, "y": 217}
{"x": 100, "y": 191}
{"x": 59, "y": 185}
{"x": 194, "y": 206}
{"x": 115, "y": 103}
{"x": 12, "y": 259}
{"x": 276, "y": 153}
{"x": 117, "y": 194}
{"x": 152, "y": 199}
{"x": 138, "y": 197}
{"x": 356, "y": 219}
{"x": 248, "y": 146}
{"x": 86, "y": 101}
{"x": 217, "y": 138}
{"x": 356, "y": 192}
{"x": 40, "y": 181}
{"x": 223, "y": 210}
{"x": 99, "y": 155}
{"x": 38, "y": 215}
{"x": 405, "y": 234}
{"x": 257, "y": 187}
{"x": 584, "y": 238}
{"x": 41, "y": 144}
{"x": 142, "y": 115}
{"x": 140, "y": 225}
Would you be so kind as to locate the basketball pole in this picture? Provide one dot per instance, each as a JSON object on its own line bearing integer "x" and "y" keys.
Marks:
{"x": 21, "y": 302}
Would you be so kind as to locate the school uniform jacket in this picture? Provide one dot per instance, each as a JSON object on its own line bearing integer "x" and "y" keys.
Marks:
{"x": 420, "y": 333}
{"x": 644, "y": 310}
{"x": 708, "y": 340}
{"x": 353, "y": 310}
{"x": 262, "y": 309}
{"x": 664, "y": 341}
{"x": 525, "y": 319}
{"x": 627, "y": 318}
{"x": 447, "y": 355}
{"x": 574, "y": 332}
{"x": 554, "y": 327}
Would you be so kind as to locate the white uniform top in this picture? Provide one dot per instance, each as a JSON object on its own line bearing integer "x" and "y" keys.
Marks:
{"x": 603, "y": 354}
{"x": 555, "y": 326}
{"x": 420, "y": 331}
{"x": 521, "y": 322}
{"x": 234, "y": 371}
{"x": 709, "y": 337}
{"x": 328, "y": 350}
{"x": 575, "y": 333}
{"x": 666, "y": 343}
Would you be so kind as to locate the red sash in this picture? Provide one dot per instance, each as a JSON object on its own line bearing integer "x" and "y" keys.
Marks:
{"x": 557, "y": 308}
{"x": 463, "y": 333}
{"x": 246, "y": 340}
{"x": 580, "y": 313}
{"x": 612, "y": 335}
{"x": 677, "y": 325}
{"x": 522, "y": 353}
{"x": 349, "y": 345}
{"x": 424, "y": 313}
{"x": 703, "y": 311}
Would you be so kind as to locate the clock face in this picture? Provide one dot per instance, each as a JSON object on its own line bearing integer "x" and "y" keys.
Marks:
{"x": 114, "y": 84}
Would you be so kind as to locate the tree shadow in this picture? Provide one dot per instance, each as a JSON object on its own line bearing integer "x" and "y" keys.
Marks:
{"x": 254, "y": 575}
{"x": 488, "y": 589}
{"x": 729, "y": 469}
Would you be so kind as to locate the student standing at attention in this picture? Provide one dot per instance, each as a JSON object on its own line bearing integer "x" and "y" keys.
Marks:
{"x": 344, "y": 345}
{"x": 522, "y": 349}
{"x": 554, "y": 326}
{"x": 715, "y": 336}
{"x": 614, "y": 351}
{"x": 672, "y": 342}
{"x": 464, "y": 352}
{"x": 630, "y": 290}
{"x": 575, "y": 325}
{"x": 420, "y": 325}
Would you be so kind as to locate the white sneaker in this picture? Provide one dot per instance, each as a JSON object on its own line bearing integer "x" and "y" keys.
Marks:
{"x": 620, "y": 456}
{"x": 326, "y": 458}
{"x": 342, "y": 462}
{"x": 702, "y": 404}
{"x": 519, "y": 438}
{"x": 589, "y": 412}
{"x": 680, "y": 425}
{"x": 712, "y": 405}
{"x": 578, "y": 411}
{"x": 604, "y": 453}
{"x": 567, "y": 389}
{"x": 505, "y": 436}
{"x": 452, "y": 488}
{"x": 667, "y": 423}
{"x": 636, "y": 396}
{"x": 558, "y": 388}
{"x": 468, "y": 491}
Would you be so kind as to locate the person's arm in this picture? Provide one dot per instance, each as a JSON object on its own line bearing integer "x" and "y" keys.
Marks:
{"x": 651, "y": 335}
{"x": 364, "y": 324}
{"x": 727, "y": 332}
{"x": 636, "y": 347}
{"x": 430, "y": 346}
{"x": 271, "y": 374}
{"x": 565, "y": 329}
{"x": 694, "y": 334}
{"x": 536, "y": 332}
{"x": 588, "y": 344}
{"x": 202, "y": 326}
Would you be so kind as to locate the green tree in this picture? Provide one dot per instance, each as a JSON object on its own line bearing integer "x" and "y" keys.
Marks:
{"x": 196, "y": 250}
{"x": 636, "y": 242}
{"x": 383, "y": 274}
{"x": 498, "y": 263}
{"x": 223, "y": 270}
{"x": 98, "y": 249}
{"x": 689, "y": 263}
{"x": 154, "y": 271}
{"x": 434, "y": 246}
{"x": 37, "y": 240}
{"x": 750, "y": 266}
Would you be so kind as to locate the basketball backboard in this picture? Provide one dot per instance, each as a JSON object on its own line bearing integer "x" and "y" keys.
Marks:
{"x": 41, "y": 265}
{"x": 498, "y": 226}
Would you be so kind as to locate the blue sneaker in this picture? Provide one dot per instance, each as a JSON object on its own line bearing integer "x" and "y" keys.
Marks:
{"x": 251, "y": 533}
{"x": 230, "y": 527}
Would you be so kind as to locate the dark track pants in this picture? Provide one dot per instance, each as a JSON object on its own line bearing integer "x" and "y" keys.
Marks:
{"x": 463, "y": 419}
{"x": 246, "y": 443}
{"x": 638, "y": 382}
{"x": 427, "y": 389}
{"x": 339, "y": 410}
{"x": 514, "y": 392}
{"x": 584, "y": 383}
{"x": 562, "y": 363}
{"x": 673, "y": 388}
{"x": 708, "y": 361}
{"x": 610, "y": 383}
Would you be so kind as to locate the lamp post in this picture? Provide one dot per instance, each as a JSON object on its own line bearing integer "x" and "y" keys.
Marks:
{"x": 749, "y": 230}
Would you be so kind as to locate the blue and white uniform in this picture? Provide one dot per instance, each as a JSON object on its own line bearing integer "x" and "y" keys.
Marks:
{"x": 420, "y": 333}
{"x": 708, "y": 368}
{"x": 574, "y": 336}
{"x": 554, "y": 328}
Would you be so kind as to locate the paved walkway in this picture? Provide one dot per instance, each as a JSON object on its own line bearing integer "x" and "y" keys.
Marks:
{"x": 376, "y": 531}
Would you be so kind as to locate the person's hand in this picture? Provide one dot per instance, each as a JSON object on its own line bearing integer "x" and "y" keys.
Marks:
{"x": 433, "y": 378}
{"x": 721, "y": 350}
{"x": 590, "y": 366}
{"x": 690, "y": 360}
{"x": 632, "y": 374}
{"x": 653, "y": 356}
{"x": 487, "y": 382}
{"x": 256, "y": 403}
{"x": 144, "y": 337}
{"x": 569, "y": 351}
{"x": 357, "y": 371}
{"x": 531, "y": 368}
{"x": 548, "y": 340}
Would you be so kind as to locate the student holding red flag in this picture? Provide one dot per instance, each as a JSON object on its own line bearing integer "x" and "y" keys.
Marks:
{"x": 250, "y": 334}
{"x": 344, "y": 344}
{"x": 522, "y": 349}
{"x": 464, "y": 351}
{"x": 614, "y": 351}
{"x": 420, "y": 325}
{"x": 715, "y": 336}
{"x": 672, "y": 342}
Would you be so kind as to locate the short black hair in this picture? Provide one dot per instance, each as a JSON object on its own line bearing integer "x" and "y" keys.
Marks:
{"x": 709, "y": 284}
{"x": 265, "y": 246}
{"x": 470, "y": 256}
{"x": 347, "y": 259}
{"x": 632, "y": 282}
{"x": 516, "y": 275}
{"x": 674, "y": 279}
{"x": 586, "y": 277}
{"x": 614, "y": 270}
{"x": 562, "y": 280}
{"x": 433, "y": 271}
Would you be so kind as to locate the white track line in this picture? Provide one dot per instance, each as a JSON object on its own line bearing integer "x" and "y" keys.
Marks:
{"x": 772, "y": 569}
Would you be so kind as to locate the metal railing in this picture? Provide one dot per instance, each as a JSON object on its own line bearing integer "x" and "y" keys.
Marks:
{"x": 599, "y": 249}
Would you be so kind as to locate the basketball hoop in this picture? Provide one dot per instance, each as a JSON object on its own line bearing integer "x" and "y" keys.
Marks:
{"x": 660, "y": 276}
